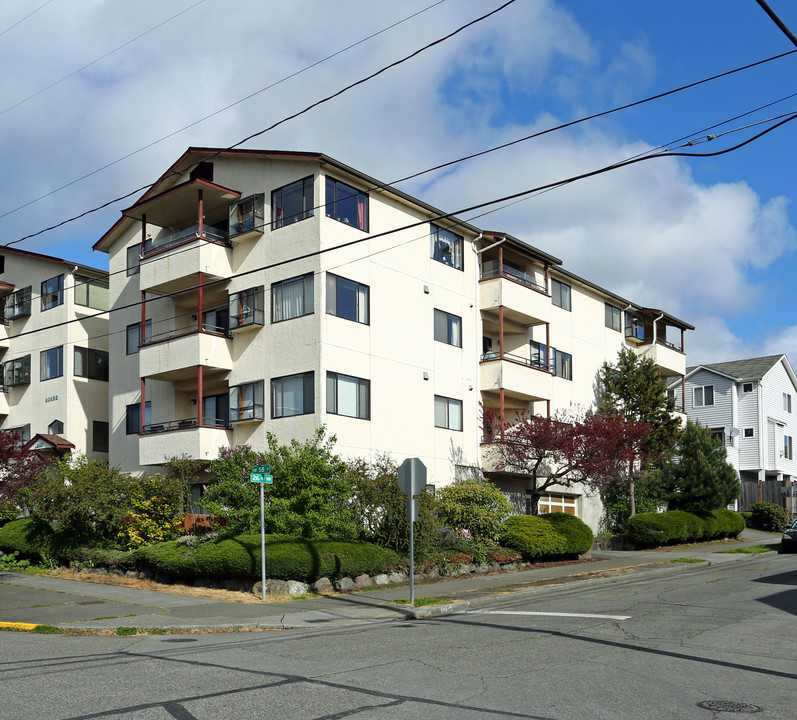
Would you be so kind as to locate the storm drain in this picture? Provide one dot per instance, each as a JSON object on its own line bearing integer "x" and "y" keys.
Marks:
{"x": 728, "y": 706}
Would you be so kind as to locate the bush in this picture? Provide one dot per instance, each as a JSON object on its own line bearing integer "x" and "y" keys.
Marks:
{"x": 288, "y": 559}
{"x": 649, "y": 529}
{"x": 679, "y": 526}
{"x": 576, "y": 532}
{"x": 478, "y": 506}
{"x": 532, "y": 537}
{"x": 31, "y": 538}
{"x": 768, "y": 516}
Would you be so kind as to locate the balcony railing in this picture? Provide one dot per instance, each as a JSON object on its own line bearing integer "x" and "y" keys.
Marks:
{"x": 185, "y": 424}
{"x": 492, "y": 269}
{"x": 166, "y": 335}
{"x": 181, "y": 237}
{"x": 638, "y": 333}
{"x": 530, "y": 362}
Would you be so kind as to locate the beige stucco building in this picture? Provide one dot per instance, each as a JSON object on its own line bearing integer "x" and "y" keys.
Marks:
{"x": 259, "y": 291}
{"x": 54, "y": 352}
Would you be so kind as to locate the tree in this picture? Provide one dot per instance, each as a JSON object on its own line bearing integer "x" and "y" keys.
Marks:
{"x": 19, "y": 469}
{"x": 632, "y": 391}
{"x": 564, "y": 450}
{"x": 700, "y": 478}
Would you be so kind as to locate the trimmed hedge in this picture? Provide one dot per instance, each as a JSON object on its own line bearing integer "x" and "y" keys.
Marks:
{"x": 576, "y": 532}
{"x": 32, "y": 539}
{"x": 532, "y": 537}
{"x": 289, "y": 559}
{"x": 678, "y": 526}
{"x": 770, "y": 517}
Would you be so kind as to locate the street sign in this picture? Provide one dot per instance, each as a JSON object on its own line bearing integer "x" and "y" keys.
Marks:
{"x": 261, "y": 478}
{"x": 412, "y": 476}
{"x": 261, "y": 469}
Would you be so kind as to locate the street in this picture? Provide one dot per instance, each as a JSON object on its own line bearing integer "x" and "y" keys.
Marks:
{"x": 650, "y": 647}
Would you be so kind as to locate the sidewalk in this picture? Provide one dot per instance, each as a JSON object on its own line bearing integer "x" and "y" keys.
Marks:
{"x": 27, "y": 600}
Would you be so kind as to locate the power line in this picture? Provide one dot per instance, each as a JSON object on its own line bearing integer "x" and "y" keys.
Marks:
{"x": 18, "y": 22}
{"x": 768, "y": 10}
{"x": 219, "y": 111}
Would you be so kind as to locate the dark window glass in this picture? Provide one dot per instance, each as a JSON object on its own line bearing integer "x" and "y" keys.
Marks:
{"x": 292, "y": 203}
{"x": 349, "y": 396}
{"x": 347, "y": 299}
{"x": 99, "y": 434}
{"x": 51, "y": 363}
{"x": 292, "y": 395}
{"x": 346, "y": 205}
{"x": 447, "y": 328}
{"x": 53, "y": 292}
{"x": 447, "y": 247}
{"x": 134, "y": 338}
{"x": 292, "y": 298}
{"x": 90, "y": 363}
{"x": 133, "y": 417}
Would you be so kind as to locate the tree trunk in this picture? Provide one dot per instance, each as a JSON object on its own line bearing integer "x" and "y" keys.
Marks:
{"x": 631, "y": 490}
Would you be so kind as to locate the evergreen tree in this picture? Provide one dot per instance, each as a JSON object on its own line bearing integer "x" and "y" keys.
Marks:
{"x": 701, "y": 478}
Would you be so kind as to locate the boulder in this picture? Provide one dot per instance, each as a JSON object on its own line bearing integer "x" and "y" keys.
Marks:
{"x": 345, "y": 583}
{"x": 297, "y": 588}
{"x": 381, "y": 579}
{"x": 363, "y": 581}
{"x": 323, "y": 585}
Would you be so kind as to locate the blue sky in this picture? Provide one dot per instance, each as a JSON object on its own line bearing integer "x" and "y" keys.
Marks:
{"x": 712, "y": 240}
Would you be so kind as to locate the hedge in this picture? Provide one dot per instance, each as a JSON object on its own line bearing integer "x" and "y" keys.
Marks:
{"x": 576, "y": 532}
{"x": 32, "y": 539}
{"x": 289, "y": 559}
{"x": 678, "y": 526}
{"x": 532, "y": 537}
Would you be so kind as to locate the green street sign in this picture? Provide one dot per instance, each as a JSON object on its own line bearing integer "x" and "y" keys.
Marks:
{"x": 261, "y": 469}
{"x": 261, "y": 478}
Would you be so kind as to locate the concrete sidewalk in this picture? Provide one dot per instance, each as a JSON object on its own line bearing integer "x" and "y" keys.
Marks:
{"x": 27, "y": 600}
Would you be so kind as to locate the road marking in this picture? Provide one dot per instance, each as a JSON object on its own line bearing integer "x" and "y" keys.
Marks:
{"x": 547, "y": 614}
{"x": 18, "y": 625}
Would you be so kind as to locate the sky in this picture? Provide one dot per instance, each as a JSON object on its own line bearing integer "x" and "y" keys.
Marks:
{"x": 99, "y": 97}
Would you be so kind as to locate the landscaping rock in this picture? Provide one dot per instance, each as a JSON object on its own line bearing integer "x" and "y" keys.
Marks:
{"x": 433, "y": 572}
{"x": 381, "y": 579}
{"x": 483, "y": 568}
{"x": 496, "y": 567}
{"x": 396, "y": 577}
{"x": 323, "y": 585}
{"x": 345, "y": 583}
{"x": 296, "y": 588}
{"x": 363, "y": 581}
{"x": 145, "y": 574}
{"x": 131, "y": 574}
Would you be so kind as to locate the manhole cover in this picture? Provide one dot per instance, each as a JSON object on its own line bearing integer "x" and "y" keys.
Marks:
{"x": 728, "y": 706}
{"x": 180, "y": 640}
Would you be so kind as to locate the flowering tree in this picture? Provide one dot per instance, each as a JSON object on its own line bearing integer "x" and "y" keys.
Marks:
{"x": 565, "y": 450}
{"x": 19, "y": 469}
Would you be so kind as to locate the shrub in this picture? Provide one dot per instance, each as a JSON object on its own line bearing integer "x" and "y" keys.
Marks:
{"x": 576, "y": 532}
{"x": 648, "y": 529}
{"x": 475, "y": 505}
{"x": 679, "y": 526}
{"x": 532, "y": 537}
{"x": 289, "y": 559}
{"x": 768, "y": 516}
{"x": 730, "y": 523}
{"x": 31, "y": 538}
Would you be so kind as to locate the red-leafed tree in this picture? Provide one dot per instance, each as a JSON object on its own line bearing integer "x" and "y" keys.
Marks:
{"x": 564, "y": 450}
{"x": 18, "y": 469}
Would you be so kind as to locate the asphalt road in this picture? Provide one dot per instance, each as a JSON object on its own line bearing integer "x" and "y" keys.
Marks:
{"x": 641, "y": 646}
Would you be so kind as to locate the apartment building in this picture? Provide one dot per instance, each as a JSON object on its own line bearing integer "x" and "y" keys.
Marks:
{"x": 264, "y": 291}
{"x": 54, "y": 353}
{"x": 546, "y": 334}
{"x": 747, "y": 405}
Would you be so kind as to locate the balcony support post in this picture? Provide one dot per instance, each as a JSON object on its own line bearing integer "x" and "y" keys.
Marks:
{"x": 548, "y": 351}
{"x": 201, "y": 211}
{"x": 501, "y": 332}
{"x": 142, "y": 409}
{"x": 500, "y": 261}
{"x": 501, "y": 412}
{"x": 143, "y": 236}
{"x": 143, "y": 333}
{"x": 199, "y": 403}
{"x": 201, "y": 296}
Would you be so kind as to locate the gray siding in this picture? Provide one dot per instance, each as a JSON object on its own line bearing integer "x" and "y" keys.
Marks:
{"x": 749, "y": 448}
{"x": 773, "y": 385}
{"x": 720, "y": 414}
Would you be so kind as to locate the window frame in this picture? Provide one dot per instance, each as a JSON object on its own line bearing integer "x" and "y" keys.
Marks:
{"x": 307, "y": 187}
{"x": 447, "y": 247}
{"x": 87, "y": 282}
{"x": 332, "y": 187}
{"x": 561, "y": 364}
{"x": 443, "y": 326}
{"x": 561, "y": 295}
{"x": 90, "y": 360}
{"x": 787, "y": 402}
{"x": 362, "y": 311}
{"x": 52, "y": 298}
{"x": 147, "y": 331}
{"x": 53, "y": 429}
{"x": 18, "y": 303}
{"x": 748, "y": 432}
{"x": 702, "y": 389}
{"x": 362, "y": 395}
{"x": 788, "y": 447}
{"x": 133, "y": 259}
{"x": 44, "y": 363}
{"x": 253, "y": 220}
{"x": 307, "y": 296}
{"x": 613, "y": 318}
{"x": 252, "y": 410}
{"x": 307, "y": 400}
{"x": 441, "y": 401}
{"x": 98, "y": 425}
{"x": 747, "y": 387}
{"x": 247, "y": 315}
{"x": 20, "y": 370}
{"x": 133, "y": 413}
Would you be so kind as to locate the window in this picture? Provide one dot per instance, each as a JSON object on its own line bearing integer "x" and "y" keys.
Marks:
{"x": 703, "y": 395}
{"x": 56, "y": 427}
{"x": 346, "y": 205}
{"x": 53, "y": 292}
{"x": 17, "y": 304}
{"x": 613, "y": 316}
{"x": 447, "y": 247}
{"x": 749, "y": 432}
{"x": 17, "y": 372}
{"x": 747, "y": 387}
{"x": 134, "y": 338}
{"x": 347, "y": 299}
{"x": 787, "y": 447}
{"x": 216, "y": 408}
{"x": 246, "y": 308}
{"x": 447, "y": 328}
{"x": 216, "y": 321}
{"x": 560, "y": 294}
{"x": 246, "y": 402}
{"x": 51, "y": 363}
{"x": 292, "y": 395}
{"x": 246, "y": 215}
{"x": 91, "y": 292}
{"x": 538, "y": 354}
{"x": 99, "y": 436}
{"x": 92, "y": 364}
{"x": 133, "y": 259}
{"x": 133, "y": 417}
{"x": 292, "y": 203}
{"x": 554, "y": 504}
{"x": 23, "y": 433}
{"x": 718, "y": 435}
{"x": 561, "y": 364}
{"x": 348, "y": 396}
{"x": 292, "y": 298}
{"x": 787, "y": 402}
{"x": 447, "y": 413}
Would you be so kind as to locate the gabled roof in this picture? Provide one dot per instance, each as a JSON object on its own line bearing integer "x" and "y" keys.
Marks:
{"x": 44, "y": 443}
{"x": 750, "y": 369}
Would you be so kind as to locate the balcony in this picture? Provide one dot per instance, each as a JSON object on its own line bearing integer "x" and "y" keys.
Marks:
{"x": 161, "y": 441}
{"x": 669, "y": 359}
{"x": 167, "y": 271}
{"x": 175, "y": 355}
{"x": 520, "y": 378}
{"x": 4, "y": 341}
{"x": 524, "y": 302}
{"x": 3, "y": 400}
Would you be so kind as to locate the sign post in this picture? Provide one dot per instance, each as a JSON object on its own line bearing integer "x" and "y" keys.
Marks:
{"x": 412, "y": 480}
{"x": 260, "y": 474}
